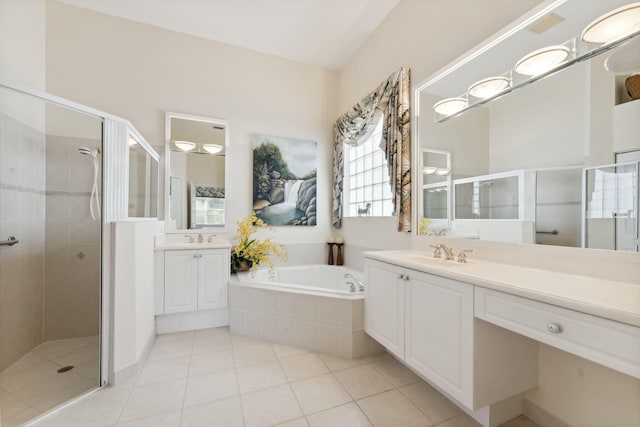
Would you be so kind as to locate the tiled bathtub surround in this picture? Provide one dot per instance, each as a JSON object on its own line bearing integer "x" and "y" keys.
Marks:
{"x": 331, "y": 325}
{"x": 22, "y": 212}
{"x": 72, "y": 280}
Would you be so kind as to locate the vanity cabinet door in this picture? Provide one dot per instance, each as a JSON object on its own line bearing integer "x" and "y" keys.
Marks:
{"x": 213, "y": 278}
{"x": 439, "y": 333}
{"x": 180, "y": 281}
{"x": 384, "y": 305}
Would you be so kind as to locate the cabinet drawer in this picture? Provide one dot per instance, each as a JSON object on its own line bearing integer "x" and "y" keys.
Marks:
{"x": 612, "y": 344}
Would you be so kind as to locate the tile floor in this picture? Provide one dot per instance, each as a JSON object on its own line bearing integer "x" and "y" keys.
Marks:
{"x": 214, "y": 378}
{"x": 32, "y": 386}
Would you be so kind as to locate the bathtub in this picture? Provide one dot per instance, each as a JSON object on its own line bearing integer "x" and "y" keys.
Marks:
{"x": 307, "y": 306}
{"x": 321, "y": 280}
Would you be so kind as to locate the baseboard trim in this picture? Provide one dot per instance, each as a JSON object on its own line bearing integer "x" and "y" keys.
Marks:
{"x": 189, "y": 321}
{"x": 541, "y": 416}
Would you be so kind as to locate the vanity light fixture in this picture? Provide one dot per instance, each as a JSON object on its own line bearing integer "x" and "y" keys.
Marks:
{"x": 442, "y": 172}
{"x": 613, "y": 25}
{"x": 429, "y": 170}
{"x": 486, "y": 88}
{"x": 542, "y": 60}
{"x": 450, "y": 106}
{"x": 185, "y": 145}
{"x": 212, "y": 148}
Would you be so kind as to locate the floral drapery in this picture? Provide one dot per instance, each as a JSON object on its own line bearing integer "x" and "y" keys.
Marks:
{"x": 391, "y": 100}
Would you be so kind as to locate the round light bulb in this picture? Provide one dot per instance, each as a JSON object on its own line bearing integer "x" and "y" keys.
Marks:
{"x": 489, "y": 87}
{"x": 212, "y": 148}
{"x": 450, "y": 106}
{"x": 542, "y": 60}
{"x": 613, "y": 25}
{"x": 185, "y": 145}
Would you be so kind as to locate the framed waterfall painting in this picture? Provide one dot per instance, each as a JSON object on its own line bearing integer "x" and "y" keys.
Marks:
{"x": 284, "y": 180}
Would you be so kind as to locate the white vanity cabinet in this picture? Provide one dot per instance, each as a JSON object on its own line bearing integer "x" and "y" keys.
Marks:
{"x": 428, "y": 322}
{"x": 195, "y": 279}
{"x": 384, "y": 308}
{"x": 439, "y": 332}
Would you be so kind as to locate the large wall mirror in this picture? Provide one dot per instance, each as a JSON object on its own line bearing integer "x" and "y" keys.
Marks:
{"x": 539, "y": 153}
{"x": 195, "y": 154}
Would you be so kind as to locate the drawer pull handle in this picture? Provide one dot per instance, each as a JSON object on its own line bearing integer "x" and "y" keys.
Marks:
{"x": 404, "y": 277}
{"x": 554, "y": 328}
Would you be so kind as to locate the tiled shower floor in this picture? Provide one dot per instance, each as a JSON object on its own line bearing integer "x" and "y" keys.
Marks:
{"x": 214, "y": 378}
{"x": 32, "y": 385}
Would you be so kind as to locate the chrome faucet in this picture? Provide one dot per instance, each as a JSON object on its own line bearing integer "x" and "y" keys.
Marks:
{"x": 200, "y": 238}
{"x": 210, "y": 238}
{"x": 448, "y": 252}
{"x": 462, "y": 256}
{"x": 358, "y": 281}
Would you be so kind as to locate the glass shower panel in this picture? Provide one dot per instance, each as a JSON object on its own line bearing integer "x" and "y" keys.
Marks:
{"x": 143, "y": 182}
{"x": 50, "y": 188}
{"x": 495, "y": 198}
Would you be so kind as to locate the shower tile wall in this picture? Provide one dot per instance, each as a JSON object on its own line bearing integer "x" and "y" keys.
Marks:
{"x": 22, "y": 212}
{"x": 72, "y": 290}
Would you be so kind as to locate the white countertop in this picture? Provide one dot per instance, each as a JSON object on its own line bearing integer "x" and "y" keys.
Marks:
{"x": 214, "y": 244}
{"x": 609, "y": 299}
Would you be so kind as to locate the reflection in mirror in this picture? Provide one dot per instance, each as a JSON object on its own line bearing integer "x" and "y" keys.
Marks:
{"x": 196, "y": 149}
{"x": 143, "y": 181}
{"x": 436, "y": 184}
{"x": 520, "y": 158}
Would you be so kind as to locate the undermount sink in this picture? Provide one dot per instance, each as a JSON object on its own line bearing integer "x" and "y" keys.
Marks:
{"x": 430, "y": 260}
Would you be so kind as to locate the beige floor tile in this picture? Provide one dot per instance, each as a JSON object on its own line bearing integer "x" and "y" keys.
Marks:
{"x": 78, "y": 355}
{"x": 460, "y": 421}
{"x": 431, "y": 402}
{"x": 170, "y": 349}
{"x": 335, "y": 363}
{"x": 363, "y": 381}
{"x": 319, "y": 393}
{"x": 159, "y": 371}
{"x": 208, "y": 388}
{"x": 283, "y": 350}
{"x": 252, "y": 354}
{"x": 219, "y": 331}
{"x": 345, "y": 415}
{"x": 170, "y": 419}
{"x": 270, "y": 406}
{"x": 52, "y": 349}
{"x": 28, "y": 376}
{"x": 89, "y": 369}
{"x": 303, "y": 366}
{"x": 394, "y": 371}
{"x": 101, "y": 408}
{"x": 260, "y": 376}
{"x": 243, "y": 341}
{"x": 55, "y": 390}
{"x": 20, "y": 418}
{"x": 222, "y": 413}
{"x": 175, "y": 336}
{"x": 211, "y": 342}
{"x": 391, "y": 408}
{"x": 209, "y": 363}
{"x": 154, "y": 399}
{"x": 298, "y": 422}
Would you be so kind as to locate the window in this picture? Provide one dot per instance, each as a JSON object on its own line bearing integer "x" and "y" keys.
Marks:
{"x": 367, "y": 191}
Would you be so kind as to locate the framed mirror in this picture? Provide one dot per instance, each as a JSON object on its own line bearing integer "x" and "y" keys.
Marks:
{"x": 535, "y": 154}
{"x": 195, "y": 172}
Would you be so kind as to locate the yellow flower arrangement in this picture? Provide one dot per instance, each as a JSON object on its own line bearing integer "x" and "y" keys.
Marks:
{"x": 254, "y": 251}
{"x": 424, "y": 224}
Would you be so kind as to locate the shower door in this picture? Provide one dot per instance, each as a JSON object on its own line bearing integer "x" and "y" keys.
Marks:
{"x": 50, "y": 255}
{"x": 610, "y": 218}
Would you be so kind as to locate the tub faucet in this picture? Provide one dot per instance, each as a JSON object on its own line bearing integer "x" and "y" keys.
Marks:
{"x": 358, "y": 281}
{"x": 448, "y": 252}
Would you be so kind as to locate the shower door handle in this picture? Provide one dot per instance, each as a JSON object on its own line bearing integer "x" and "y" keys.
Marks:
{"x": 10, "y": 241}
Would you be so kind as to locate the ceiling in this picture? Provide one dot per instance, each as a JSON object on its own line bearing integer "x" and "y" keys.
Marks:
{"x": 326, "y": 33}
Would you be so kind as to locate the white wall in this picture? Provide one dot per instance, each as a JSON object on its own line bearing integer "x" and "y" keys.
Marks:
{"x": 425, "y": 36}
{"x": 138, "y": 71}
